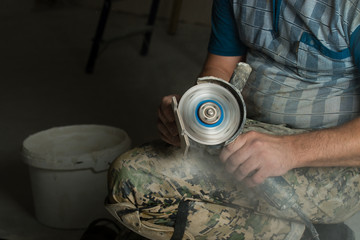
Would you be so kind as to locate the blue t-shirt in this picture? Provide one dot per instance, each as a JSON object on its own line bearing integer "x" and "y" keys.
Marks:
{"x": 305, "y": 57}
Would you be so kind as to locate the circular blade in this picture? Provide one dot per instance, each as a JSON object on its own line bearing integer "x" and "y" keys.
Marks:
{"x": 210, "y": 113}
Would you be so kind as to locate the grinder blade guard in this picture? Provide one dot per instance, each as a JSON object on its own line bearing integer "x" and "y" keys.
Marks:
{"x": 212, "y": 113}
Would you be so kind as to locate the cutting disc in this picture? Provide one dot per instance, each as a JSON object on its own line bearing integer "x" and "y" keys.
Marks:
{"x": 210, "y": 113}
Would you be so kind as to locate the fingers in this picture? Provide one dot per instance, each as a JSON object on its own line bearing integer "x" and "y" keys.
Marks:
{"x": 249, "y": 172}
{"x": 170, "y": 126}
{"x": 166, "y": 108}
{"x": 246, "y": 170}
{"x": 233, "y": 162}
{"x": 257, "y": 178}
{"x": 232, "y": 155}
{"x": 240, "y": 160}
{"x": 237, "y": 159}
{"x": 232, "y": 148}
{"x": 166, "y": 121}
{"x": 166, "y": 136}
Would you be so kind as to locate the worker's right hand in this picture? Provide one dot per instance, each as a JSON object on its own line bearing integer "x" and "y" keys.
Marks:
{"x": 166, "y": 121}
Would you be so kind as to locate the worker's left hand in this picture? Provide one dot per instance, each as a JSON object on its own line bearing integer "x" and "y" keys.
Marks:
{"x": 254, "y": 156}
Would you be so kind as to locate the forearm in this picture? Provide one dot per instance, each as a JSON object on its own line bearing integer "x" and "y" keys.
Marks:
{"x": 339, "y": 146}
{"x": 220, "y": 66}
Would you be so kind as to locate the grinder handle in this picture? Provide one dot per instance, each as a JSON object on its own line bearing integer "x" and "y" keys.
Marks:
{"x": 240, "y": 75}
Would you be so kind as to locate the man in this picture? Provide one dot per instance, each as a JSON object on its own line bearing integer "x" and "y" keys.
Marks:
{"x": 305, "y": 57}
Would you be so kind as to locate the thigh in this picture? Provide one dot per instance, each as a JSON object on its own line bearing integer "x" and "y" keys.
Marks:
{"x": 148, "y": 183}
{"x": 326, "y": 195}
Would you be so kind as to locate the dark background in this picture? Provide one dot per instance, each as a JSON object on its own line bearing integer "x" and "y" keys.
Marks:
{"x": 44, "y": 46}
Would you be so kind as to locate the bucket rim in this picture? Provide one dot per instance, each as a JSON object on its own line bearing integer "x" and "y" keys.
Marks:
{"x": 87, "y": 160}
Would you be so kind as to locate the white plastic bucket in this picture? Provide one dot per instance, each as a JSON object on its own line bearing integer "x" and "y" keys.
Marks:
{"x": 68, "y": 171}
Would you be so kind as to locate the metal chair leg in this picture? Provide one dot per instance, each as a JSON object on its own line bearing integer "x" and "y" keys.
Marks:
{"x": 98, "y": 36}
{"x": 175, "y": 16}
{"x": 151, "y": 20}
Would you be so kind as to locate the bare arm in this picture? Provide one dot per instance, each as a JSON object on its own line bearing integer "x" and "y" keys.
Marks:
{"x": 338, "y": 146}
{"x": 255, "y": 156}
{"x": 220, "y": 66}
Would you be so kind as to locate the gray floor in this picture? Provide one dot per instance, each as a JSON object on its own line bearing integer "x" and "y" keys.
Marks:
{"x": 43, "y": 84}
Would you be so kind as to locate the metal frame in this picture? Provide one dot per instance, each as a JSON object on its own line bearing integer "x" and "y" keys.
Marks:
{"x": 101, "y": 27}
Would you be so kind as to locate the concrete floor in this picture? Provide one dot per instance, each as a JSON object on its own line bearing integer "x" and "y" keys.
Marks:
{"x": 43, "y": 84}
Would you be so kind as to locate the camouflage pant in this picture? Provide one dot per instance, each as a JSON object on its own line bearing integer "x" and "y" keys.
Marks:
{"x": 147, "y": 184}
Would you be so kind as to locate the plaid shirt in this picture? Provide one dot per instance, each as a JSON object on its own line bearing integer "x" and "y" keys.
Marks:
{"x": 305, "y": 56}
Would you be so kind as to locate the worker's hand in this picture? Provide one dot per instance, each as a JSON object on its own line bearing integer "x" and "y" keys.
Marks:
{"x": 254, "y": 156}
{"x": 166, "y": 121}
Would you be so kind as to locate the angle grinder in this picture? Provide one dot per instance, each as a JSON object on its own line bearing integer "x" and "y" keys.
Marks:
{"x": 212, "y": 113}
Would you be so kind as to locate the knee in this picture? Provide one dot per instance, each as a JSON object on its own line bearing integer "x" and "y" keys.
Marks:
{"x": 129, "y": 175}
{"x": 118, "y": 176}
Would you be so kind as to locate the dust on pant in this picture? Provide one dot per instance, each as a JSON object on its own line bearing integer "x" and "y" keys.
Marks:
{"x": 147, "y": 184}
